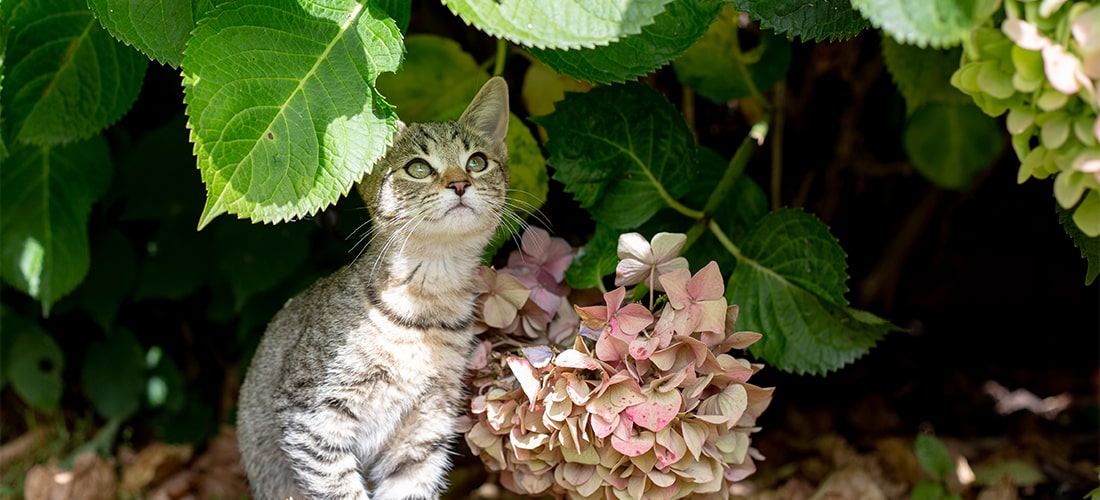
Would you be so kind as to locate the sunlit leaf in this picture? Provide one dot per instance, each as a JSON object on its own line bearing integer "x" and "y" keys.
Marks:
{"x": 565, "y": 24}
{"x": 65, "y": 77}
{"x": 284, "y": 133}
{"x": 159, "y": 29}
{"x": 671, "y": 33}
{"x": 46, "y": 194}
{"x": 935, "y": 23}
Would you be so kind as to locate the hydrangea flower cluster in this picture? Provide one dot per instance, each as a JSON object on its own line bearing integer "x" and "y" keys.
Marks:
{"x": 1043, "y": 67}
{"x": 638, "y": 402}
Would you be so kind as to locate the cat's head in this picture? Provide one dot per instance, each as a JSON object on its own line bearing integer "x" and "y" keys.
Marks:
{"x": 445, "y": 179}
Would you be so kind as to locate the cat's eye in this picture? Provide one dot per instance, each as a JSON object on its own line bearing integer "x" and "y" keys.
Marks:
{"x": 477, "y": 163}
{"x": 418, "y": 169}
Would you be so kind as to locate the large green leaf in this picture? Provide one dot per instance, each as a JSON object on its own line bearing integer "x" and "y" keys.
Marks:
{"x": 817, "y": 21}
{"x": 46, "y": 194}
{"x": 399, "y": 10}
{"x": 631, "y": 57}
{"x": 561, "y": 24}
{"x": 624, "y": 152}
{"x": 114, "y": 375}
{"x": 253, "y": 258}
{"x": 935, "y": 23}
{"x": 283, "y": 110}
{"x": 718, "y": 69}
{"x": 65, "y": 77}
{"x": 922, "y": 75}
{"x": 950, "y": 143}
{"x": 159, "y": 29}
{"x": 110, "y": 279}
{"x": 789, "y": 283}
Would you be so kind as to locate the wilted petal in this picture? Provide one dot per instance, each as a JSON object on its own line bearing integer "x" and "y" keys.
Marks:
{"x": 603, "y": 427}
{"x": 666, "y": 246}
{"x": 741, "y": 471}
{"x": 622, "y": 392}
{"x": 729, "y": 404}
{"x": 480, "y": 357}
{"x": 611, "y": 348}
{"x": 527, "y": 376}
{"x": 739, "y": 340}
{"x": 707, "y": 284}
{"x": 572, "y": 358}
{"x": 539, "y": 355}
{"x": 712, "y": 315}
{"x": 641, "y": 347}
{"x": 670, "y": 448}
{"x": 694, "y": 435}
{"x": 632, "y": 319}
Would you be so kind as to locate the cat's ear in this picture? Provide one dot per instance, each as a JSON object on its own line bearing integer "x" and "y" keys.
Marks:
{"x": 488, "y": 113}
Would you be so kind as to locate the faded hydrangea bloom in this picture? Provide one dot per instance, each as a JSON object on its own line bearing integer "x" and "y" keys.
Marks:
{"x": 640, "y": 261}
{"x": 653, "y": 406}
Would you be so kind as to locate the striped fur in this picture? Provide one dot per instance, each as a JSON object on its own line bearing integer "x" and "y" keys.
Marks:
{"x": 355, "y": 388}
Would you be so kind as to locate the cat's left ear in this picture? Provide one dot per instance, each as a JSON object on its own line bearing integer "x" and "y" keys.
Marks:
{"x": 488, "y": 113}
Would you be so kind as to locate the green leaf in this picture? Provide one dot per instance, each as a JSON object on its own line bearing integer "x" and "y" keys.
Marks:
{"x": 283, "y": 133}
{"x": 933, "y": 456}
{"x": 436, "y": 82}
{"x": 928, "y": 489}
{"x": 114, "y": 375}
{"x": 168, "y": 187}
{"x": 830, "y": 20}
{"x": 34, "y": 364}
{"x": 935, "y": 23}
{"x": 624, "y": 152}
{"x": 718, "y": 69}
{"x": 671, "y": 33}
{"x": 561, "y": 24}
{"x": 66, "y": 78}
{"x": 399, "y": 10}
{"x": 159, "y": 29}
{"x": 253, "y": 258}
{"x": 46, "y": 194}
{"x": 595, "y": 260}
{"x": 177, "y": 262}
{"x": 1088, "y": 246}
{"x": 111, "y": 277}
{"x": 923, "y": 75}
{"x": 950, "y": 143}
{"x": 789, "y": 282}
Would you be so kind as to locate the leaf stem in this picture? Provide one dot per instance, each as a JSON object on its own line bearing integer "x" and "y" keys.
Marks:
{"x": 734, "y": 169}
{"x": 502, "y": 56}
{"x": 718, "y": 233}
{"x": 777, "y": 145}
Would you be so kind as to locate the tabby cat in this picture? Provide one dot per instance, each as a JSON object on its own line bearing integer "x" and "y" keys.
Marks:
{"x": 356, "y": 385}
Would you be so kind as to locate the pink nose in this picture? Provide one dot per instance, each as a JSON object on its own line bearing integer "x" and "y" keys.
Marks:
{"x": 459, "y": 186}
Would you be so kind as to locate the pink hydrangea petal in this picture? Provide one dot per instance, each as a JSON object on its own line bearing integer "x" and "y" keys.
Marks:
{"x": 633, "y": 318}
{"x": 1061, "y": 69}
{"x": 535, "y": 241}
{"x": 498, "y": 312}
{"x": 641, "y": 347}
{"x": 572, "y": 358}
{"x": 707, "y": 284}
{"x": 1024, "y": 34}
{"x": 621, "y": 392}
{"x": 527, "y": 376}
{"x": 634, "y": 445}
{"x": 558, "y": 258}
{"x": 695, "y": 435}
{"x": 602, "y": 427}
{"x": 712, "y": 316}
{"x": 675, "y": 284}
{"x": 1086, "y": 29}
{"x": 480, "y": 357}
{"x": 659, "y": 409}
{"x": 670, "y": 448}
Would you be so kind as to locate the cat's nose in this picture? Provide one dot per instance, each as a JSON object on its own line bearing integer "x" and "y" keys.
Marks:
{"x": 459, "y": 186}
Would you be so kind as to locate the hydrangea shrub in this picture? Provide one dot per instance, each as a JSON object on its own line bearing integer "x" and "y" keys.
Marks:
{"x": 617, "y": 399}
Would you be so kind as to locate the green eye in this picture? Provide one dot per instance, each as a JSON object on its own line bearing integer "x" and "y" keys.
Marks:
{"x": 418, "y": 169}
{"x": 477, "y": 163}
